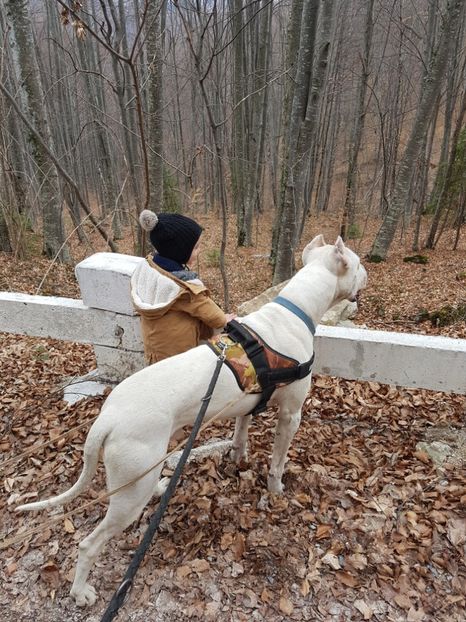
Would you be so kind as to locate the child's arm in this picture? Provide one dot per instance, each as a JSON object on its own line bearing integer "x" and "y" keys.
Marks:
{"x": 205, "y": 309}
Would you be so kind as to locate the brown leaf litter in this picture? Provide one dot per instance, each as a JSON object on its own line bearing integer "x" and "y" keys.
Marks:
{"x": 370, "y": 527}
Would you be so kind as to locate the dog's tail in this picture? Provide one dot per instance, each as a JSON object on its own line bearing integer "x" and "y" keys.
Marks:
{"x": 94, "y": 442}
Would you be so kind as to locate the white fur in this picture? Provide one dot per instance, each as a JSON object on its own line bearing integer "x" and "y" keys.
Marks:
{"x": 145, "y": 410}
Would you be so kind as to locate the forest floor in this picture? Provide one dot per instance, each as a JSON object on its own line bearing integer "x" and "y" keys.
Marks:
{"x": 371, "y": 525}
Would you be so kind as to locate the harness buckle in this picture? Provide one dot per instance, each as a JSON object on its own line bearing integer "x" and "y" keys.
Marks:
{"x": 223, "y": 347}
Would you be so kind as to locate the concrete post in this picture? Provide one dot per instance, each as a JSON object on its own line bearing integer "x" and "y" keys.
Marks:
{"x": 104, "y": 281}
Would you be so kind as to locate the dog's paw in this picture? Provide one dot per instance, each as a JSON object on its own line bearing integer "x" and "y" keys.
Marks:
{"x": 239, "y": 455}
{"x": 85, "y": 597}
{"x": 274, "y": 485}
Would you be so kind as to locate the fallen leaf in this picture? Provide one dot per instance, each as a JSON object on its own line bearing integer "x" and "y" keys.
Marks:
{"x": 266, "y": 595}
{"x": 200, "y": 565}
{"x": 286, "y": 606}
{"x": 69, "y": 527}
{"x": 226, "y": 541}
{"x": 183, "y": 571}
{"x": 331, "y": 560}
{"x": 416, "y": 615}
{"x": 323, "y": 531}
{"x": 456, "y": 531}
{"x": 305, "y": 587}
{"x": 363, "y": 608}
{"x": 423, "y": 456}
{"x": 50, "y": 574}
{"x": 239, "y": 546}
{"x": 347, "y": 579}
{"x": 357, "y": 560}
{"x": 403, "y": 601}
{"x": 11, "y": 568}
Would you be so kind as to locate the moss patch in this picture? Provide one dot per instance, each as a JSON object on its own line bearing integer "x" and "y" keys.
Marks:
{"x": 421, "y": 259}
{"x": 444, "y": 316}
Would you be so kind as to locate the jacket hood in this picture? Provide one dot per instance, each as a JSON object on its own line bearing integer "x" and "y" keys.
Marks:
{"x": 152, "y": 288}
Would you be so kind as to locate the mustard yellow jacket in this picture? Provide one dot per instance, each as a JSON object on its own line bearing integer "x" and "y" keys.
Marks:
{"x": 175, "y": 314}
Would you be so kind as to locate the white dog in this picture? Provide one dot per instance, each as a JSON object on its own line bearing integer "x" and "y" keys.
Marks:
{"x": 145, "y": 410}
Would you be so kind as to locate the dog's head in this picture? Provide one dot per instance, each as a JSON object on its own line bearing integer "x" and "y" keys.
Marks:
{"x": 340, "y": 261}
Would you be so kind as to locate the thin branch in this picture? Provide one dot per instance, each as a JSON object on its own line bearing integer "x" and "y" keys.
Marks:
{"x": 59, "y": 167}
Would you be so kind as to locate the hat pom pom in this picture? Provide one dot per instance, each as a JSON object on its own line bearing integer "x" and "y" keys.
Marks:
{"x": 148, "y": 219}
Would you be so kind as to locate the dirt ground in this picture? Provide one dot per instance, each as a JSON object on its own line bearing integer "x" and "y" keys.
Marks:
{"x": 371, "y": 525}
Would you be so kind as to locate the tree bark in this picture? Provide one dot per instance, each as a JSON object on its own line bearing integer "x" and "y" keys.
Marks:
{"x": 349, "y": 209}
{"x": 430, "y": 91}
{"x": 154, "y": 43}
{"x": 444, "y": 205}
{"x": 50, "y": 195}
{"x": 303, "y": 120}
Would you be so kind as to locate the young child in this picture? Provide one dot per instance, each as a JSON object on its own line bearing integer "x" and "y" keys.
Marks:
{"x": 175, "y": 307}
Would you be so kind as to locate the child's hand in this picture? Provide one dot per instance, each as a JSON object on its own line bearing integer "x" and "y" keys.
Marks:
{"x": 229, "y": 317}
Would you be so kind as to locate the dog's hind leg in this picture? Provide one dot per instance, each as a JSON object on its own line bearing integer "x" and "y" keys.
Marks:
{"x": 239, "y": 450}
{"x": 124, "y": 508}
{"x": 287, "y": 426}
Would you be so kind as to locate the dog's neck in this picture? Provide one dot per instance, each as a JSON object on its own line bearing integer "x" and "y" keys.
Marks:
{"x": 314, "y": 294}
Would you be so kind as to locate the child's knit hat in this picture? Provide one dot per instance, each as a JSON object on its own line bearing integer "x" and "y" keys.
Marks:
{"x": 172, "y": 235}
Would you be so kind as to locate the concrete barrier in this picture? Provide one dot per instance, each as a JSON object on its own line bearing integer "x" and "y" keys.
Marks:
{"x": 105, "y": 318}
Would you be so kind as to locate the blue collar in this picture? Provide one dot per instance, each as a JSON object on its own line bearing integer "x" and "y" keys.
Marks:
{"x": 297, "y": 311}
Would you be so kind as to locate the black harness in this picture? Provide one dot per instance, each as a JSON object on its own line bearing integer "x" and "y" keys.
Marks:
{"x": 268, "y": 378}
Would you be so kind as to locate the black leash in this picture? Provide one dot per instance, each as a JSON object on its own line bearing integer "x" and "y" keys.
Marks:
{"x": 120, "y": 595}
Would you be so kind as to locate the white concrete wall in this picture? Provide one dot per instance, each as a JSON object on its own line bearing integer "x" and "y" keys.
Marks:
{"x": 67, "y": 319}
{"x": 105, "y": 318}
{"x": 404, "y": 359}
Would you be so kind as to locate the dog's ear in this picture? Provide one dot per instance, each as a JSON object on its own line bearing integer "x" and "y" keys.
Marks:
{"x": 315, "y": 243}
{"x": 340, "y": 252}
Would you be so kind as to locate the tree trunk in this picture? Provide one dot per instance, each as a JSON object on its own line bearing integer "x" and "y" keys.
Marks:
{"x": 291, "y": 66}
{"x": 239, "y": 163}
{"x": 444, "y": 201}
{"x": 95, "y": 96}
{"x": 260, "y": 108}
{"x": 14, "y": 167}
{"x": 423, "y": 179}
{"x": 304, "y": 113}
{"x": 287, "y": 227}
{"x": 154, "y": 43}
{"x": 429, "y": 94}
{"x": 307, "y": 149}
{"x": 50, "y": 196}
{"x": 349, "y": 210}
{"x": 122, "y": 82}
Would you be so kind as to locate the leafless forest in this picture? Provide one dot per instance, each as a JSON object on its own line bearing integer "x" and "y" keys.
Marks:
{"x": 267, "y": 108}
{"x": 261, "y": 119}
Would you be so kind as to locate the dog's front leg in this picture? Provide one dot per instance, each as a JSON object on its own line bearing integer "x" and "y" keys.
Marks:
{"x": 239, "y": 450}
{"x": 287, "y": 425}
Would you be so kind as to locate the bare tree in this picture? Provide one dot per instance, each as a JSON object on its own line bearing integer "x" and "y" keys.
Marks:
{"x": 299, "y": 141}
{"x": 429, "y": 93}
{"x": 454, "y": 169}
{"x": 154, "y": 43}
{"x": 50, "y": 195}
{"x": 349, "y": 210}
{"x": 203, "y": 63}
